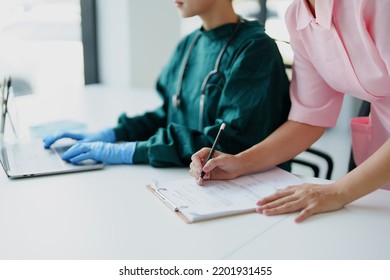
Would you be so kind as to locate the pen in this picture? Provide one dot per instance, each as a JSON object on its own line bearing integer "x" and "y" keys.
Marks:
{"x": 214, "y": 146}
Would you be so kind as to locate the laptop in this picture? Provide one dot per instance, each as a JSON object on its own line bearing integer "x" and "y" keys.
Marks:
{"x": 21, "y": 159}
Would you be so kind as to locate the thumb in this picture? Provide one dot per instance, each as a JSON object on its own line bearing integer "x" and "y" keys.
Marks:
{"x": 212, "y": 164}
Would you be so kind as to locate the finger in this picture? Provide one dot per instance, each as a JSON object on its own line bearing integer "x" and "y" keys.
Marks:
{"x": 205, "y": 177}
{"x": 72, "y": 135}
{"x": 49, "y": 140}
{"x": 74, "y": 151}
{"x": 194, "y": 170}
{"x": 285, "y": 208}
{"x": 79, "y": 158}
{"x": 195, "y": 160}
{"x": 304, "y": 214}
{"x": 277, "y": 195}
{"x": 203, "y": 153}
{"x": 281, "y": 202}
{"x": 200, "y": 181}
{"x": 198, "y": 157}
{"x": 194, "y": 167}
{"x": 194, "y": 173}
{"x": 211, "y": 164}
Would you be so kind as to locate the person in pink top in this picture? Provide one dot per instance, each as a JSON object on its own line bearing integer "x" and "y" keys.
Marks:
{"x": 340, "y": 47}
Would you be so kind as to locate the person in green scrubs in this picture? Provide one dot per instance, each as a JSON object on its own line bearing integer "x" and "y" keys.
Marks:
{"x": 227, "y": 71}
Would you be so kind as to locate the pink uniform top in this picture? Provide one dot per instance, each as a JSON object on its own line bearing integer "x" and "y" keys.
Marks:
{"x": 344, "y": 49}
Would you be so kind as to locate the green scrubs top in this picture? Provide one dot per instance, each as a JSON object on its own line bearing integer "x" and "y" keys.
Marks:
{"x": 251, "y": 95}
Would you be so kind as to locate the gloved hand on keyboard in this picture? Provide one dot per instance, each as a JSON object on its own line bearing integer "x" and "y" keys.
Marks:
{"x": 106, "y": 135}
{"x": 108, "y": 153}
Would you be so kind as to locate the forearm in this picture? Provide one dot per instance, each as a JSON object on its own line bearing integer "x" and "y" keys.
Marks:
{"x": 367, "y": 177}
{"x": 139, "y": 128}
{"x": 286, "y": 142}
{"x": 170, "y": 146}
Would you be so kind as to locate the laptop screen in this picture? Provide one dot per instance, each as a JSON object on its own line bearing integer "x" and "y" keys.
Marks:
{"x": 3, "y": 106}
{"x": 6, "y": 120}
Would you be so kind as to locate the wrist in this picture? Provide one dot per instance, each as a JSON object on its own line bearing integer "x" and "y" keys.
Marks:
{"x": 248, "y": 162}
{"x": 241, "y": 166}
{"x": 127, "y": 152}
{"x": 108, "y": 135}
{"x": 341, "y": 192}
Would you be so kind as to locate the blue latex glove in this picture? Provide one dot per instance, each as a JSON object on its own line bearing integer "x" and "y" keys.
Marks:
{"x": 106, "y": 135}
{"x": 107, "y": 153}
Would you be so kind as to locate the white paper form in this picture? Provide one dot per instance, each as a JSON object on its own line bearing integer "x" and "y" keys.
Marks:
{"x": 224, "y": 197}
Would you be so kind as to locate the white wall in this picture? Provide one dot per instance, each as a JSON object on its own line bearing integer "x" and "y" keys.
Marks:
{"x": 135, "y": 39}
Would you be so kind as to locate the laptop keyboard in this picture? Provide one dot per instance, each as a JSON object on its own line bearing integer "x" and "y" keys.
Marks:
{"x": 32, "y": 156}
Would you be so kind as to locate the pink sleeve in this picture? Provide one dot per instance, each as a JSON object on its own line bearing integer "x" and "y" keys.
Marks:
{"x": 377, "y": 14}
{"x": 313, "y": 101}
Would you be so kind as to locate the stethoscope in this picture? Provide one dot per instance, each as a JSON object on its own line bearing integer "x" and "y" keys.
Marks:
{"x": 176, "y": 99}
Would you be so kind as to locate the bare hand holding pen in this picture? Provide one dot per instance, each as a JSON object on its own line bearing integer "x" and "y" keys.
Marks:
{"x": 203, "y": 162}
{"x": 221, "y": 167}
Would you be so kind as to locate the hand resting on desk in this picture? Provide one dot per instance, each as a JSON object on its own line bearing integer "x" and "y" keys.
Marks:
{"x": 309, "y": 198}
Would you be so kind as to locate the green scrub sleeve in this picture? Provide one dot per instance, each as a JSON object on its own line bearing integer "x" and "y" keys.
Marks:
{"x": 171, "y": 146}
{"x": 140, "y": 127}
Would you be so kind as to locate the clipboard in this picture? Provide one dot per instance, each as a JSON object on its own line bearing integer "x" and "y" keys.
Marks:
{"x": 220, "y": 198}
{"x": 153, "y": 188}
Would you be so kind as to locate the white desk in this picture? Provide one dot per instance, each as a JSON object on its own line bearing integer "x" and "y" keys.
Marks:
{"x": 109, "y": 214}
{"x": 359, "y": 231}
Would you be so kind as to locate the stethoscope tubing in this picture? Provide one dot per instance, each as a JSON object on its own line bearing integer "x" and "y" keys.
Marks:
{"x": 176, "y": 99}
